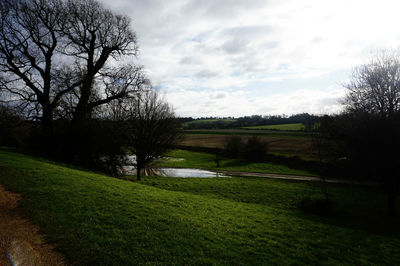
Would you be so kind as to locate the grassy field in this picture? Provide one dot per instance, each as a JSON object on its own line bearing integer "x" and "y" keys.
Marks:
{"x": 98, "y": 220}
{"x": 207, "y": 161}
{"x": 278, "y": 145}
{"x": 289, "y": 127}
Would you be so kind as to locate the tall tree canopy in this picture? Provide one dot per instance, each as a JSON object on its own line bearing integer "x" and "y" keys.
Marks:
{"x": 65, "y": 57}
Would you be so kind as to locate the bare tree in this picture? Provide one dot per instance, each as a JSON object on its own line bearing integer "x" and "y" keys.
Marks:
{"x": 66, "y": 56}
{"x": 371, "y": 125}
{"x": 375, "y": 87}
{"x": 152, "y": 129}
{"x": 30, "y": 33}
{"x": 100, "y": 43}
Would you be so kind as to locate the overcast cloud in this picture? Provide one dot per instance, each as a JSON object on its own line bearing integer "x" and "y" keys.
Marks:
{"x": 243, "y": 57}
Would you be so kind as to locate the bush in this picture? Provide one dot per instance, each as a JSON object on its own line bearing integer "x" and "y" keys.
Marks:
{"x": 233, "y": 146}
{"x": 14, "y": 130}
{"x": 95, "y": 144}
{"x": 255, "y": 149}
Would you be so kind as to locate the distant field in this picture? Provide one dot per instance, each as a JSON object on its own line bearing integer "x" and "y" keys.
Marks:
{"x": 290, "y": 127}
{"x": 208, "y": 123}
{"x": 279, "y": 145}
{"x": 249, "y": 132}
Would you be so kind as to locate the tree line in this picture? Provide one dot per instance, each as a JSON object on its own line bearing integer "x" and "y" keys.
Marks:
{"x": 247, "y": 121}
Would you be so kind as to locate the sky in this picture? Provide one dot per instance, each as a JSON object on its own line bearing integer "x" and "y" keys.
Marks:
{"x": 257, "y": 57}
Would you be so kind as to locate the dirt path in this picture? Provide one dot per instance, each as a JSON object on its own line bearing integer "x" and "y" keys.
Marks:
{"x": 296, "y": 177}
{"x": 20, "y": 243}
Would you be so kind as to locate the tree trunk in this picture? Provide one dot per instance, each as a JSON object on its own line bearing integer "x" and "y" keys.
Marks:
{"x": 392, "y": 204}
{"x": 138, "y": 170}
{"x": 47, "y": 121}
{"x": 83, "y": 110}
{"x": 47, "y": 138}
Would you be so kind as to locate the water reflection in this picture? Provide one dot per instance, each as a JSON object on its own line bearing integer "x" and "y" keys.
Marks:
{"x": 131, "y": 159}
{"x": 175, "y": 172}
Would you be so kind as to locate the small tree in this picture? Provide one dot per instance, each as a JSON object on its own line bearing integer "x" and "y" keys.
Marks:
{"x": 152, "y": 129}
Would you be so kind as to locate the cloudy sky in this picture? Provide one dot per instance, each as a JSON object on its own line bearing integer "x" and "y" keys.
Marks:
{"x": 244, "y": 57}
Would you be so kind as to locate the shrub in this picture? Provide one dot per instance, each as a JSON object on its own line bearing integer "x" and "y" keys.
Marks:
{"x": 255, "y": 149}
{"x": 233, "y": 146}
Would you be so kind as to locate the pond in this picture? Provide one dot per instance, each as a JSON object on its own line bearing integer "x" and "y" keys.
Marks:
{"x": 175, "y": 172}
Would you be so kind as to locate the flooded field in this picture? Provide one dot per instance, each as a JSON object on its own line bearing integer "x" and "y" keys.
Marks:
{"x": 175, "y": 172}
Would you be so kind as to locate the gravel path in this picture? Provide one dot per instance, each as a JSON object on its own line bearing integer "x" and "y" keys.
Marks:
{"x": 20, "y": 243}
{"x": 296, "y": 177}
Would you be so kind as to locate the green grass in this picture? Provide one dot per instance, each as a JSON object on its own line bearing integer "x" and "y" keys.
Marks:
{"x": 97, "y": 220}
{"x": 288, "y": 127}
{"x": 207, "y": 161}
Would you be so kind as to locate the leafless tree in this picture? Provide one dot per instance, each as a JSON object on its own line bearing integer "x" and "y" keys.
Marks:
{"x": 66, "y": 57}
{"x": 371, "y": 123}
{"x": 30, "y": 33}
{"x": 100, "y": 42}
{"x": 152, "y": 128}
{"x": 375, "y": 86}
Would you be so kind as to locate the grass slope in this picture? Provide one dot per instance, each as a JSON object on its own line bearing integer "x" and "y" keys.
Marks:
{"x": 97, "y": 220}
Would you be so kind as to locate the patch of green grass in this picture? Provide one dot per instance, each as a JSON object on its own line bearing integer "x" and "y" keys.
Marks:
{"x": 207, "y": 161}
{"x": 97, "y": 220}
{"x": 288, "y": 127}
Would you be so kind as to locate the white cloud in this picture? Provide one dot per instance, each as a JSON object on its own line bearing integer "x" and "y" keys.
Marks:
{"x": 220, "y": 103}
{"x": 230, "y": 45}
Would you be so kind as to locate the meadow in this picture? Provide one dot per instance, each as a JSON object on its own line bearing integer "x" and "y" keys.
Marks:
{"x": 99, "y": 220}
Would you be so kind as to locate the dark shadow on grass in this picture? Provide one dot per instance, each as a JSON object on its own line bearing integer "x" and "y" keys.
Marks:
{"x": 346, "y": 216}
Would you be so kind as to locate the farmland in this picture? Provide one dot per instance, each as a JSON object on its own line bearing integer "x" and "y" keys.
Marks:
{"x": 283, "y": 139}
{"x": 279, "y": 145}
{"x": 289, "y": 127}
